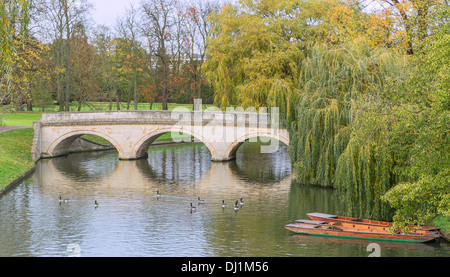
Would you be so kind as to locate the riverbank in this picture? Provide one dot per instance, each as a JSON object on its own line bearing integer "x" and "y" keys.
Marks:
{"x": 15, "y": 153}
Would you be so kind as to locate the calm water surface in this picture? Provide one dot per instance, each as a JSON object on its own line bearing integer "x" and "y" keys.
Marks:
{"x": 132, "y": 221}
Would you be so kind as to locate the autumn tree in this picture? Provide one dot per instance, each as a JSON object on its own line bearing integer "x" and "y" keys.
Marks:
{"x": 58, "y": 19}
{"x": 127, "y": 28}
{"x": 420, "y": 116}
{"x": 197, "y": 27}
{"x": 414, "y": 20}
{"x": 85, "y": 70}
{"x": 30, "y": 68}
{"x": 159, "y": 22}
{"x": 14, "y": 20}
{"x": 108, "y": 77}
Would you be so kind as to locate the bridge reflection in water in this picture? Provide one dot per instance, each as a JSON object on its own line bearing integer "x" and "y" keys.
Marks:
{"x": 167, "y": 168}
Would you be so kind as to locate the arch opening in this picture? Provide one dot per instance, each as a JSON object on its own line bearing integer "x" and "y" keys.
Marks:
{"x": 269, "y": 144}
{"x": 256, "y": 166}
{"x": 169, "y": 135}
{"x": 82, "y": 141}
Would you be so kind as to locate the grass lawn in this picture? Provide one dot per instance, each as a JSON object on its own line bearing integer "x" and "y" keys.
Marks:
{"x": 15, "y": 153}
{"x": 164, "y": 137}
{"x": 27, "y": 118}
{"x": 22, "y": 119}
{"x": 104, "y": 106}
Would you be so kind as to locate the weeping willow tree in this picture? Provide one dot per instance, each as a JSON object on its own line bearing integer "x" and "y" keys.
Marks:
{"x": 330, "y": 145}
{"x": 364, "y": 170}
{"x": 255, "y": 50}
{"x": 345, "y": 131}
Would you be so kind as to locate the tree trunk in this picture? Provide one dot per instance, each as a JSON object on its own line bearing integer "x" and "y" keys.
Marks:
{"x": 117, "y": 99}
{"x": 407, "y": 26}
{"x": 43, "y": 100}
{"x": 135, "y": 94}
{"x": 20, "y": 104}
{"x": 59, "y": 93}
{"x": 29, "y": 97}
{"x": 68, "y": 66}
{"x": 164, "y": 88}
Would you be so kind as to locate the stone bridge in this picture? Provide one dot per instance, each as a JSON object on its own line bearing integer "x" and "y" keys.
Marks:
{"x": 132, "y": 132}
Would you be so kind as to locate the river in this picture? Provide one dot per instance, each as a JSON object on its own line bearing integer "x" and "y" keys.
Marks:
{"x": 132, "y": 220}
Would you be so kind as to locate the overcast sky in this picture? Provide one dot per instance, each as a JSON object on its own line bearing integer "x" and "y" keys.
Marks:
{"x": 106, "y": 11}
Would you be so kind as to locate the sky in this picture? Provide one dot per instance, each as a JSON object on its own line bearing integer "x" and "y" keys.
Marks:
{"x": 105, "y": 12}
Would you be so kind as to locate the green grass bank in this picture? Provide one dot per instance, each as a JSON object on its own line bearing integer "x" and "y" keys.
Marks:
{"x": 22, "y": 118}
{"x": 15, "y": 153}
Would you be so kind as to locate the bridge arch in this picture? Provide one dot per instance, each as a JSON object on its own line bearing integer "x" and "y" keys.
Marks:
{"x": 61, "y": 145}
{"x": 234, "y": 147}
{"x": 144, "y": 143}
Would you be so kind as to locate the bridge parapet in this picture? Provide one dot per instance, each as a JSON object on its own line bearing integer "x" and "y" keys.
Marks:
{"x": 200, "y": 118}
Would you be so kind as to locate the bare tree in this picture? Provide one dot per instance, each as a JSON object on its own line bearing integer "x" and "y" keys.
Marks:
{"x": 127, "y": 28}
{"x": 198, "y": 27}
{"x": 57, "y": 20}
{"x": 108, "y": 77}
{"x": 158, "y": 21}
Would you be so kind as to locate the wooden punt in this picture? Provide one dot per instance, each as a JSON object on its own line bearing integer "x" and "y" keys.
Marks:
{"x": 333, "y": 229}
{"x": 336, "y": 218}
{"x": 364, "y": 226}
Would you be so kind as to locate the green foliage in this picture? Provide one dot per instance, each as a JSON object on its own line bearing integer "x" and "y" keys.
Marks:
{"x": 14, "y": 19}
{"x": 364, "y": 169}
{"x": 421, "y": 138}
{"x": 362, "y": 115}
{"x": 254, "y": 52}
{"x": 443, "y": 222}
{"x": 336, "y": 83}
{"x": 419, "y": 202}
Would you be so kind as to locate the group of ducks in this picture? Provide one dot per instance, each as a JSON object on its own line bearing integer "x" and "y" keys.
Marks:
{"x": 63, "y": 200}
{"x": 237, "y": 205}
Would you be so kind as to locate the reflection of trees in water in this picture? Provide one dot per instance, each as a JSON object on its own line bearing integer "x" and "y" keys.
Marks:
{"x": 184, "y": 163}
{"x": 87, "y": 166}
{"x": 253, "y": 165}
{"x": 179, "y": 163}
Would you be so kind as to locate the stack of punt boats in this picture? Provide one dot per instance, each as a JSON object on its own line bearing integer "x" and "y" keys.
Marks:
{"x": 339, "y": 226}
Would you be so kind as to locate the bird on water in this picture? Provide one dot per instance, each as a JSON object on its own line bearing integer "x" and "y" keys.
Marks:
{"x": 193, "y": 208}
{"x": 236, "y": 205}
{"x": 201, "y": 201}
